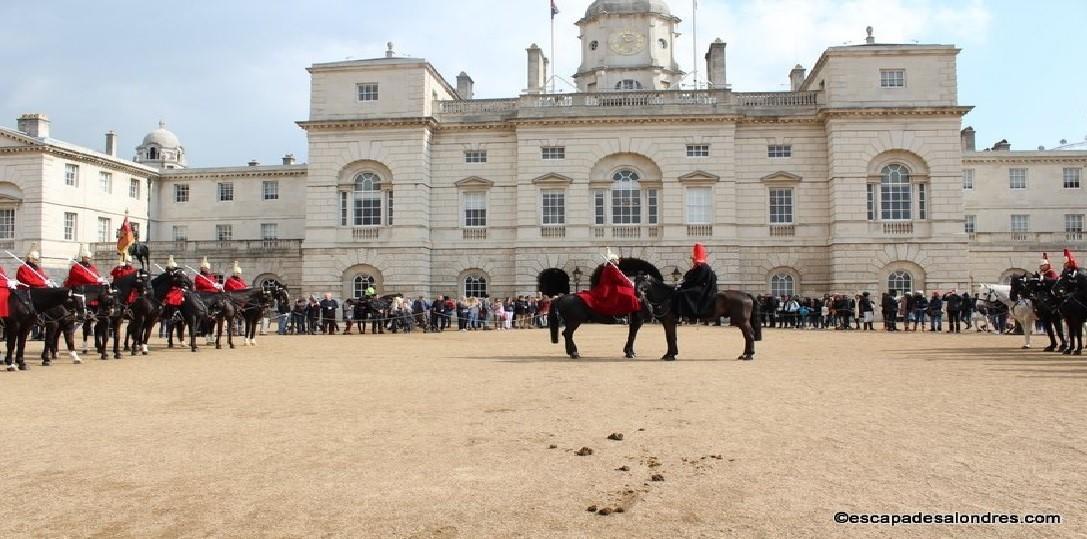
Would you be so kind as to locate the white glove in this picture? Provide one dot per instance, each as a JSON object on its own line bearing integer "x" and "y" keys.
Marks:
{"x": 102, "y": 280}
{"x": 12, "y": 283}
{"x": 51, "y": 283}
{"x": 219, "y": 286}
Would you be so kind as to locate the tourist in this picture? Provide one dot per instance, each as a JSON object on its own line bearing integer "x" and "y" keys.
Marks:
{"x": 935, "y": 312}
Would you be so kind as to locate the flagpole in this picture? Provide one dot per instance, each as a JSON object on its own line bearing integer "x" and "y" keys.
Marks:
{"x": 552, "y": 48}
{"x": 694, "y": 39}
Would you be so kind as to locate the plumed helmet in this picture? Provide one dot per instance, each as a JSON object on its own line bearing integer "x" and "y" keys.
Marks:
{"x": 204, "y": 264}
{"x": 1045, "y": 261}
{"x": 699, "y": 254}
{"x": 171, "y": 263}
{"x": 237, "y": 268}
{"x": 33, "y": 255}
{"x": 612, "y": 257}
{"x": 84, "y": 252}
{"x": 1069, "y": 260}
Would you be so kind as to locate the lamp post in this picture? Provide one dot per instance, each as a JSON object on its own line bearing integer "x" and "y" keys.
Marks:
{"x": 676, "y": 275}
{"x": 577, "y": 278}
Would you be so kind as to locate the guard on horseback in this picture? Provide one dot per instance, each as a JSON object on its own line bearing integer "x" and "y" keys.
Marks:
{"x": 205, "y": 280}
{"x": 175, "y": 296}
{"x": 85, "y": 273}
{"x": 31, "y": 275}
{"x": 121, "y": 271}
{"x": 1070, "y": 266}
{"x": 1046, "y": 271}
{"x": 614, "y": 293}
{"x": 697, "y": 292}
{"x": 235, "y": 282}
{"x": 9, "y": 284}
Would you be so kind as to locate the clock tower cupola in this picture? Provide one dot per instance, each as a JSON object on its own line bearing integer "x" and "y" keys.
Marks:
{"x": 628, "y": 45}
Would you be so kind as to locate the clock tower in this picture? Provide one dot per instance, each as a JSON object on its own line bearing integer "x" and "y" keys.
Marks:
{"x": 627, "y": 45}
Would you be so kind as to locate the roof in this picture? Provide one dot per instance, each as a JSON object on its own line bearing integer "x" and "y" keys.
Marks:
{"x": 74, "y": 150}
{"x": 162, "y": 137}
{"x": 605, "y": 7}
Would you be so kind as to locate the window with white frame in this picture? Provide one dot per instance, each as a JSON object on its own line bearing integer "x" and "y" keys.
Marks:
{"x": 553, "y": 152}
{"x": 71, "y": 226}
{"x": 599, "y": 211}
{"x": 269, "y": 190}
{"x": 1017, "y": 178}
{"x": 475, "y": 156}
{"x": 1020, "y": 223}
{"x": 699, "y": 205}
{"x": 970, "y": 224}
{"x": 367, "y": 200}
{"x": 475, "y": 209}
{"x": 1071, "y": 178}
{"x": 269, "y": 231}
{"x": 105, "y": 182}
{"x": 870, "y": 197}
{"x": 389, "y": 207}
{"x": 361, "y": 283}
{"x": 781, "y": 206}
{"x": 779, "y": 151}
{"x": 651, "y": 206}
{"x": 134, "y": 188}
{"x": 226, "y": 191}
{"x": 782, "y": 285}
{"x": 105, "y": 226}
{"x": 367, "y": 91}
{"x": 553, "y": 207}
{"x": 71, "y": 175}
{"x": 626, "y": 198}
{"x": 181, "y": 233}
{"x": 475, "y": 286}
{"x": 224, "y": 232}
{"x": 967, "y": 179}
{"x": 628, "y": 84}
{"x": 922, "y": 202}
{"x": 181, "y": 192}
{"x": 900, "y": 281}
{"x": 1073, "y": 223}
{"x": 895, "y": 193}
{"x": 892, "y": 78}
{"x": 698, "y": 150}
{"x": 7, "y": 224}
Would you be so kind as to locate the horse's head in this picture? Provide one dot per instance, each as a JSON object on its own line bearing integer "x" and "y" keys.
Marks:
{"x": 76, "y": 303}
{"x": 1065, "y": 286}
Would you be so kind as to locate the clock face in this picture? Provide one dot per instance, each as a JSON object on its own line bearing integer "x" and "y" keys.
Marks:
{"x": 626, "y": 42}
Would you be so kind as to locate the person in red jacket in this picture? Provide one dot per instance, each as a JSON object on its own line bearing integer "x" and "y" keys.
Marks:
{"x": 122, "y": 270}
{"x": 175, "y": 296}
{"x": 205, "y": 281}
{"x": 235, "y": 282}
{"x": 84, "y": 272}
{"x": 614, "y": 293}
{"x": 1046, "y": 269}
{"x": 6, "y": 287}
{"x": 31, "y": 275}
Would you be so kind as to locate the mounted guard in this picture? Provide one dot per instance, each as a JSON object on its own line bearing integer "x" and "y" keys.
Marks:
{"x": 205, "y": 280}
{"x": 614, "y": 293}
{"x": 235, "y": 282}
{"x": 697, "y": 292}
{"x": 1046, "y": 271}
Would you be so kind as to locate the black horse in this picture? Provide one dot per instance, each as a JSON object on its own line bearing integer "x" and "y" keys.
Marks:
{"x": 141, "y": 252}
{"x": 1046, "y": 307}
{"x": 1072, "y": 289}
{"x": 741, "y": 308}
{"x": 23, "y": 315}
{"x": 221, "y": 311}
{"x": 60, "y": 321}
{"x": 252, "y": 304}
{"x": 190, "y": 313}
{"x": 573, "y": 312}
{"x": 142, "y": 312}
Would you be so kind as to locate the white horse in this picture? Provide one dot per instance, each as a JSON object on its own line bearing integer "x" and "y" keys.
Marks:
{"x": 1022, "y": 311}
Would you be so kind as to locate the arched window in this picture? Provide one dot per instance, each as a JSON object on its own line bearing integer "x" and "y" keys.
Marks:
{"x": 628, "y": 84}
{"x": 360, "y": 283}
{"x": 367, "y": 200}
{"x": 900, "y": 281}
{"x": 626, "y": 198}
{"x": 782, "y": 285}
{"x": 152, "y": 153}
{"x": 895, "y": 193}
{"x": 475, "y": 286}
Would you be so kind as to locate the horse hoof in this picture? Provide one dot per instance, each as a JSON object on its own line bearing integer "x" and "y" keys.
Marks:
{"x": 631, "y": 355}
{"x": 104, "y": 357}
{"x": 169, "y": 346}
{"x": 47, "y": 363}
{"x": 194, "y": 349}
{"x": 77, "y": 361}
{"x": 668, "y": 358}
{"x": 1067, "y": 352}
{"x": 116, "y": 356}
{"x": 84, "y": 350}
{"x": 217, "y": 347}
{"x": 11, "y": 368}
{"x": 575, "y": 356}
{"x": 144, "y": 353}
{"x": 1078, "y": 353}
{"x": 24, "y": 367}
{"x": 1049, "y": 348}
{"x": 1026, "y": 347}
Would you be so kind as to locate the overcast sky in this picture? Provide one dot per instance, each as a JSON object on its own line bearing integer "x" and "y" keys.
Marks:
{"x": 228, "y": 76}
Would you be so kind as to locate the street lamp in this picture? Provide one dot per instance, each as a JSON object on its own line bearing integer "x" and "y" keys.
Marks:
{"x": 676, "y": 275}
{"x": 577, "y": 278}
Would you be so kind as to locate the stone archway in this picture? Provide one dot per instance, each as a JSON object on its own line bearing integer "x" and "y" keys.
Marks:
{"x": 553, "y": 282}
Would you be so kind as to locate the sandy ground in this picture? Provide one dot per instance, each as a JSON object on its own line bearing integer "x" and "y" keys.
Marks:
{"x": 451, "y": 435}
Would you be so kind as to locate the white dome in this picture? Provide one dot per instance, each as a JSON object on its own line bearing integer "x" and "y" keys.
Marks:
{"x": 163, "y": 137}
{"x": 599, "y": 7}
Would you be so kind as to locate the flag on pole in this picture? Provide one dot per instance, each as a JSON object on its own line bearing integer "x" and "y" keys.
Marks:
{"x": 125, "y": 237}
{"x": 554, "y": 9}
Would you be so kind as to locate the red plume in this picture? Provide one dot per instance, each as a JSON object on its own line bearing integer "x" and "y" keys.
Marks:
{"x": 699, "y": 254}
{"x": 1069, "y": 260}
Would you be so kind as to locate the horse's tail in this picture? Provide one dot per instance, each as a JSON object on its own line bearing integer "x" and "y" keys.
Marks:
{"x": 553, "y": 320}
{"x": 756, "y": 320}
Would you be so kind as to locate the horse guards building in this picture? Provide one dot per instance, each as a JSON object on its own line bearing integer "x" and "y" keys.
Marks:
{"x": 859, "y": 178}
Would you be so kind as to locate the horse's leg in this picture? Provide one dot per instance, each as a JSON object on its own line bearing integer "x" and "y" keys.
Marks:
{"x": 568, "y": 336}
{"x": 69, "y": 339}
{"x": 10, "y": 330}
{"x": 232, "y": 323}
{"x": 192, "y": 332}
{"x": 669, "y": 325}
{"x": 1028, "y": 327}
{"x": 24, "y": 332}
{"x": 90, "y": 328}
{"x": 749, "y": 340}
{"x": 635, "y": 325}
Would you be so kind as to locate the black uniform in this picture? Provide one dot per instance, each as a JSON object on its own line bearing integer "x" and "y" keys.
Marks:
{"x": 696, "y": 294}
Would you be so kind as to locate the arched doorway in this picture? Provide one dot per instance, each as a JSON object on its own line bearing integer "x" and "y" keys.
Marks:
{"x": 552, "y": 282}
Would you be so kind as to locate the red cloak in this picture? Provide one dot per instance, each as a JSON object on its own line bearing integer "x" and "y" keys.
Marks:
{"x": 614, "y": 295}
{"x": 234, "y": 283}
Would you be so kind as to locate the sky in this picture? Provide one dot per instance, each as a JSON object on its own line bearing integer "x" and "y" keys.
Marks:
{"x": 228, "y": 76}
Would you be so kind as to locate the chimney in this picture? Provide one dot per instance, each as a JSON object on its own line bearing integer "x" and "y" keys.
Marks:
{"x": 1002, "y": 146}
{"x": 253, "y": 163}
{"x": 968, "y": 139}
{"x": 111, "y": 144}
{"x": 537, "y": 70}
{"x": 35, "y": 125}
{"x": 389, "y": 51}
{"x": 288, "y": 159}
{"x": 715, "y": 64}
{"x": 871, "y": 39}
{"x": 796, "y": 77}
{"x": 465, "y": 85}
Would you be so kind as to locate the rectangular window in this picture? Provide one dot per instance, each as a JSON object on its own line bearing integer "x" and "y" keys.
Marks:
{"x": 224, "y": 232}
{"x": 922, "y": 206}
{"x": 895, "y": 201}
{"x": 475, "y": 209}
{"x": 967, "y": 179}
{"x": 871, "y": 198}
{"x": 270, "y": 190}
{"x": 553, "y": 152}
{"x": 226, "y": 191}
{"x": 71, "y": 226}
{"x": 367, "y": 91}
{"x": 475, "y": 156}
{"x": 134, "y": 188}
{"x": 778, "y": 151}
{"x": 105, "y": 182}
{"x": 781, "y": 206}
{"x": 71, "y": 175}
{"x": 367, "y": 208}
{"x": 651, "y": 202}
{"x": 1071, "y": 178}
{"x": 698, "y": 150}
{"x": 598, "y": 208}
{"x": 1020, "y": 223}
{"x": 626, "y": 206}
{"x": 343, "y": 208}
{"x": 181, "y": 233}
{"x": 7, "y": 224}
{"x": 269, "y": 231}
{"x": 553, "y": 207}
{"x": 135, "y": 230}
{"x": 892, "y": 78}
{"x": 389, "y": 208}
{"x": 970, "y": 224}
{"x": 104, "y": 227}
{"x": 1073, "y": 223}
{"x": 181, "y": 192}
{"x": 1017, "y": 178}
{"x": 699, "y": 205}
